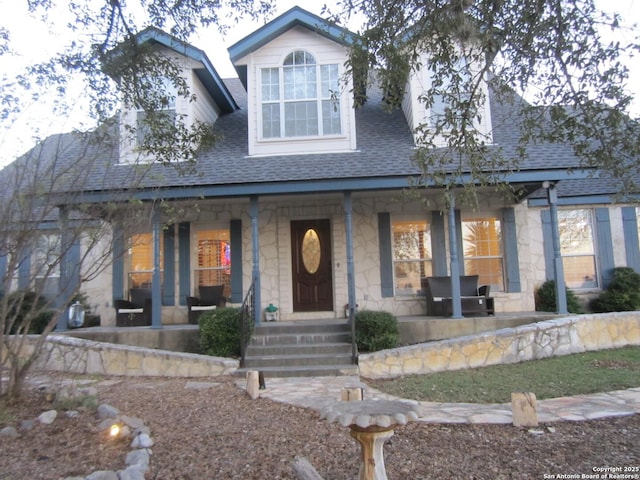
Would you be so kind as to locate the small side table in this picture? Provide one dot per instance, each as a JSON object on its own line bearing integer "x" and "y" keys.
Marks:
{"x": 371, "y": 422}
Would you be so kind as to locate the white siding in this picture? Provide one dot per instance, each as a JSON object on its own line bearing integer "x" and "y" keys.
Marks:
{"x": 203, "y": 108}
{"x": 272, "y": 55}
{"x": 416, "y": 113}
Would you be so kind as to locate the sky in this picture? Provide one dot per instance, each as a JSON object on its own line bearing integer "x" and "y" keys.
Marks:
{"x": 34, "y": 40}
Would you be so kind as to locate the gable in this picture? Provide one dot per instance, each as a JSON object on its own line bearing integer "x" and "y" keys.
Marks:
{"x": 295, "y": 17}
{"x": 202, "y": 66}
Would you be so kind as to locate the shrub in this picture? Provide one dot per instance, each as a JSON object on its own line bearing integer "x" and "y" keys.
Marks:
{"x": 220, "y": 332}
{"x": 622, "y": 294}
{"x": 376, "y": 331}
{"x": 545, "y": 298}
{"x": 27, "y": 306}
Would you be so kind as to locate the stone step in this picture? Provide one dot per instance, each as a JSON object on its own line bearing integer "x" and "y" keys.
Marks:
{"x": 304, "y": 371}
{"x": 317, "y": 360}
{"x": 336, "y": 348}
{"x": 306, "y": 348}
{"x": 295, "y": 338}
{"x": 271, "y": 328}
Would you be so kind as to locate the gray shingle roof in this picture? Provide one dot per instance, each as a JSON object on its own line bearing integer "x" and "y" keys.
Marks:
{"x": 384, "y": 150}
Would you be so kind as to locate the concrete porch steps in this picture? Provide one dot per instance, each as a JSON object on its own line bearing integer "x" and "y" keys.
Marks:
{"x": 298, "y": 349}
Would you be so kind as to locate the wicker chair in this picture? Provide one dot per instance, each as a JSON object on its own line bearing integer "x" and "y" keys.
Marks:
{"x": 211, "y": 297}
{"x": 137, "y": 311}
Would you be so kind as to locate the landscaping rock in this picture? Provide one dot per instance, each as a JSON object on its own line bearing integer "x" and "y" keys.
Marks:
{"x": 523, "y": 407}
{"x": 48, "y": 417}
{"x": 107, "y": 411}
{"x": 9, "y": 432}
{"x": 103, "y": 475}
{"x": 142, "y": 441}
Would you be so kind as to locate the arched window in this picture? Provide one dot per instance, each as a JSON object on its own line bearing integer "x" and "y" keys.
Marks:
{"x": 300, "y": 98}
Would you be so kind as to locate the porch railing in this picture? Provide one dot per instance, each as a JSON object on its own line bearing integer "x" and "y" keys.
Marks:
{"x": 247, "y": 316}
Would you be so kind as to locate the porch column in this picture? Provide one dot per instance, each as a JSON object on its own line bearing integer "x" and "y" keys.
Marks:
{"x": 456, "y": 305}
{"x": 156, "y": 281}
{"x": 64, "y": 282}
{"x": 255, "y": 250}
{"x": 558, "y": 268}
{"x": 351, "y": 282}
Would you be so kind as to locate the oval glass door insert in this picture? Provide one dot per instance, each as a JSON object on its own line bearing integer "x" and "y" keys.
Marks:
{"x": 311, "y": 251}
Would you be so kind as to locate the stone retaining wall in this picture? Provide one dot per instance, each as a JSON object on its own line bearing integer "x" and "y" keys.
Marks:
{"x": 560, "y": 336}
{"x": 76, "y": 355}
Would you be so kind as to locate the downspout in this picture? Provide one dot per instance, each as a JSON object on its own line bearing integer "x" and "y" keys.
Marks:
{"x": 255, "y": 250}
{"x": 558, "y": 268}
{"x": 351, "y": 283}
{"x": 156, "y": 290}
{"x": 456, "y": 305}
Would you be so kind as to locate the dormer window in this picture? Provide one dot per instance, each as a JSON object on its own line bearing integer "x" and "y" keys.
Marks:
{"x": 161, "y": 101}
{"x": 451, "y": 93}
{"x": 442, "y": 104}
{"x": 300, "y": 98}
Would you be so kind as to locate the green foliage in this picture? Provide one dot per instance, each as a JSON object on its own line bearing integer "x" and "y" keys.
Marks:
{"x": 220, "y": 332}
{"x": 28, "y": 313}
{"x": 546, "y": 299}
{"x": 89, "y": 402}
{"x": 561, "y": 48}
{"x": 376, "y": 331}
{"x": 622, "y": 294}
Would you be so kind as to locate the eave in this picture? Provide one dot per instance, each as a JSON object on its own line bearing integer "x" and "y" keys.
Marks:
{"x": 207, "y": 75}
{"x": 332, "y": 185}
{"x": 294, "y": 17}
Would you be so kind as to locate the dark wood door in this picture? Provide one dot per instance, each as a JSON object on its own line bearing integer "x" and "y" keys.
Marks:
{"x": 311, "y": 266}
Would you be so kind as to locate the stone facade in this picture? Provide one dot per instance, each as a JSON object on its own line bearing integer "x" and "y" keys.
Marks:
{"x": 560, "y": 336}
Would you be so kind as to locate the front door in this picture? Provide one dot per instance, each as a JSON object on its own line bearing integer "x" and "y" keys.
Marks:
{"x": 311, "y": 266}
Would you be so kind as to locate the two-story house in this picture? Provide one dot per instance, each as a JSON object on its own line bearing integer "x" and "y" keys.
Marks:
{"x": 301, "y": 197}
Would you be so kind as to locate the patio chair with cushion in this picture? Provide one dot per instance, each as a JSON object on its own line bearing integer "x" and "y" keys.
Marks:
{"x": 135, "y": 312}
{"x": 211, "y": 297}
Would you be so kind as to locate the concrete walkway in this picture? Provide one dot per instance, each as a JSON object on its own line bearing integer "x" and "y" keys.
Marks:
{"x": 317, "y": 392}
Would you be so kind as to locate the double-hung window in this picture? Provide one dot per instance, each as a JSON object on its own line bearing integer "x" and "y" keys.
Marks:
{"x": 483, "y": 250}
{"x": 47, "y": 256}
{"x": 449, "y": 94}
{"x": 411, "y": 255}
{"x": 213, "y": 258}
{"x": 300, "y": 98}
{"x": 141, "y": 260}
{"x": 161, "y": 99}
{"x": 577, "y": 248}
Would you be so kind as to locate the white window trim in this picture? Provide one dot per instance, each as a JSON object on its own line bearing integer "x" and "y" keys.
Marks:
{"x": 482, "y": 215}
{"x": 342, "y": 98}
{"x": 400, "y": 219}
{"x": 594, "y": 254}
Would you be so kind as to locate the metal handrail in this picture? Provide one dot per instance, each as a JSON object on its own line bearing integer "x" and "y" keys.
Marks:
{"x": 247, "y": 316}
